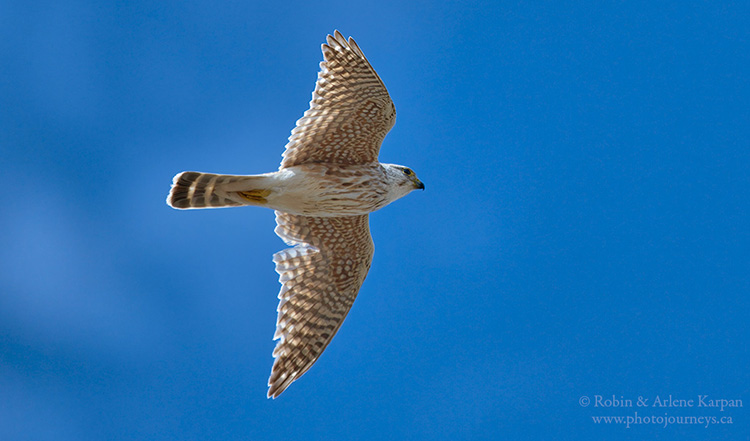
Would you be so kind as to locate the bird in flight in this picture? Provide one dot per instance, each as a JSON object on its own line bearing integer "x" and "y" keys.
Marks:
{"x": 329, "y": 181}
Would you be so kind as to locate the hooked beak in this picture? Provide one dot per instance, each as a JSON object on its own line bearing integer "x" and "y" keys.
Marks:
{"x": 420, "y": 185}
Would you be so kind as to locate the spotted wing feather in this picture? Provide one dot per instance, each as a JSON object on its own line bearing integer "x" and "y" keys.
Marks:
{"x": 320, "y": 278}
{"x": 350, "y": 112}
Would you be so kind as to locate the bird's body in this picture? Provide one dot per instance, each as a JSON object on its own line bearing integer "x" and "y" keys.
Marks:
{"x": 325, "y": 190}
{"x": 329, "y": 181}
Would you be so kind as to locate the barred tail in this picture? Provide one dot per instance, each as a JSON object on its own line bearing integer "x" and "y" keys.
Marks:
{"x": 206, "y": 190}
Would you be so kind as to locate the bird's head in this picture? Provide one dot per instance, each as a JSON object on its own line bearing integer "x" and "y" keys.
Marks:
{"x": 402, "y": 179}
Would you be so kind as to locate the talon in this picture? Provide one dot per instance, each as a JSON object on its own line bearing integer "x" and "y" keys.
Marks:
{"x": 258, "y": 196}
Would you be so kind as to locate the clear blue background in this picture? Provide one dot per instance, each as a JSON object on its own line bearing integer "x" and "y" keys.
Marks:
{"x": 584, "y": 230}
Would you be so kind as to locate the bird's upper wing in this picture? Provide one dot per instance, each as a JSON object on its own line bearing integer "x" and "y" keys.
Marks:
{"x": 350, "y": 112}
{"x": 320, "y": 278}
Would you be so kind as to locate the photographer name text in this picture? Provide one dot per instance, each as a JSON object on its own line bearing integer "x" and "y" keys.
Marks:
{"x": 702, "y": 401}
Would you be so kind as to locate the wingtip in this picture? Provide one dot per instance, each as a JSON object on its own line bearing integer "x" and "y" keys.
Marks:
{"x": 278, "y": 383}
{"x": 330, "y": 40}
{"x": 337, "y": 41}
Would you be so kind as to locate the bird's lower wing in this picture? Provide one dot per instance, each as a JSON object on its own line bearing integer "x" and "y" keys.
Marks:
{"x": 320, "y": 278}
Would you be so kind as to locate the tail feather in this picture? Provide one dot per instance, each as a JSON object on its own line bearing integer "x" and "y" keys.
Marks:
{"x": 206, "y": 190}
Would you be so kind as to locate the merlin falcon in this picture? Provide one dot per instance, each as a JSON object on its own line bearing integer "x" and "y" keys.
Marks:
{"x": 329, "y": 180}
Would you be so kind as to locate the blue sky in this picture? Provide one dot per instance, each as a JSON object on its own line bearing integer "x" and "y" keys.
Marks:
{"x": 584, "y": 231}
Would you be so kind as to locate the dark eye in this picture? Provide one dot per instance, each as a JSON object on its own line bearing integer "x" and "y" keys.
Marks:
{"x": 407, "y": 172}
